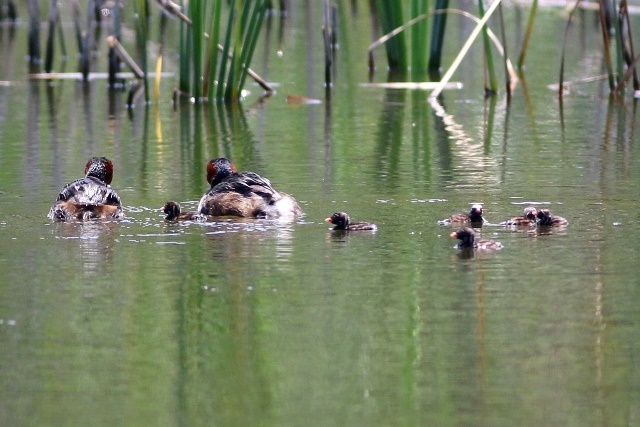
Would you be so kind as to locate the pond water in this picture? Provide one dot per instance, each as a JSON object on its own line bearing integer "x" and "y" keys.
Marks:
{"x": 256, "y": 322}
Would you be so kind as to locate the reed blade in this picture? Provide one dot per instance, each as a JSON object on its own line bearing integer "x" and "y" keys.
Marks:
{"x": 232, "y": 94}
{"x": 142, "y": 38}
{"x": 212, "y": 51}
{"x": 251, "y": 40}
{"x": 492, "y": 86}
{"x": 527, "y": 34}
{"x": 222, "y": 72}
{"x": 34, "y": 31}
{"x": 391, "y": 17}
{"x": 53, "y": 20}
{"x": 419, "y": 39}
{"x": 196, "y": 9}
{"x": 437, "y": 37}
{"x": 605, "y": 38}
{"x": 185, "y": 57}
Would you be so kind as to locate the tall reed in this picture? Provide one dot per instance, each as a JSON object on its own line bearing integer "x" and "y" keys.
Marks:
{"x": 390, "y": 12}
{"x": 492, "y": 86}
{"x": 53, "y": 20}
{"x": 142, "y": 38}
{"x": 114, "y": 60}
{"x": 34, "y": 31}
{"x": 220, "y": 78}
{"x": 437, "y": 37}
{"x": 527, "y": 34}
{"x": 419, "y": 39}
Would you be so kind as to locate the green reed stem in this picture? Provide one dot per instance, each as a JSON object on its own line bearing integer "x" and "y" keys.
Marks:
{"x": 185, "y": 58}
{"x": 493, "y": 83}
{"x": 564, "y": 48}
{"x": 505, "y": 55}
{"x": 197, "y": 15}
{"x": 419, "y": 38}
{"x": 527, "y": 34}
{"x": 437, "y": 36}
{"x": 34, "y": 31}
{"x": 222, "y": 75}
{"x": 619, "y": 43}
{"x": 53, "y": 20}
{"x": 142, "y": 37}
{"x": 391, "y": 17}
{"x": 63, "y": 45}
{"x": 251, "y": 40}
{"x": 212, "y": 51}
{"x": 233, "y": 76}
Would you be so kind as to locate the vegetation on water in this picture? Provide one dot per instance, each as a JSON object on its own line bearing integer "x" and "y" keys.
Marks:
{"x": 218, "y": 39}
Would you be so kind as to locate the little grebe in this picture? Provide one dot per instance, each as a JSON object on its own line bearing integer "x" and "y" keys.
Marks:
{"x": 468, "y": 240}
{"x": 173, "y": 211}
{"x": 89, "y": 197}
{"x": 342, "y": 222}
{"x": 546, "y": 219}
{"x": 529, "y": 218}
{"x": 474, "y": 217}
{"x": 244, "y": 194}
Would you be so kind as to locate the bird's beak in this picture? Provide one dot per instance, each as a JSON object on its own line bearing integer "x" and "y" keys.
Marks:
{"x": 327, "y": 220}
{"x": 454, "y": 235}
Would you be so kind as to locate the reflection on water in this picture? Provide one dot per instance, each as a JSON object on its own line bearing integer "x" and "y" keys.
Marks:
{"x": 96, "y": 242}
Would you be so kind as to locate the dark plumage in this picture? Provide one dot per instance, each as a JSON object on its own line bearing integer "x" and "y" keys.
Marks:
{"x": 342, "y": 222}
{"x": 89, "y": 197}
{"x": 527, "y": 219}
{"x": 474, "y": 217}
{"x": 468, "y": 240}
{"x": 173, "y": 211}
{"x": 546, "y": 219}
{"x": 244, "y": 194}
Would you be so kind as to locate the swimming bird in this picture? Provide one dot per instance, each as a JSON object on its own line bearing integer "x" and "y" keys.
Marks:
{"x": 89, "y": 197}
{"x": 473, "y": 218}
{"x": 342, "y": 222}
{"x": 527, "y": 219}
{"x": 546, "y": 219}
{"x": 468, "y": 240}
{"x": 173, "y": 211}
{"x": 244, "y": 194}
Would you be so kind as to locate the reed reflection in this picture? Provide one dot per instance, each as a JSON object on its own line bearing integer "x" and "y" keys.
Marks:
{"x": 96, "y": 240}
{"x": 389, "y": 137}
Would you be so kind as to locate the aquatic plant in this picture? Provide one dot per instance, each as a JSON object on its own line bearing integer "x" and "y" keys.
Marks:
{"x": 613, "y": 22}
{"x": 422, "y": 59}
{"x": 202, "y": 72}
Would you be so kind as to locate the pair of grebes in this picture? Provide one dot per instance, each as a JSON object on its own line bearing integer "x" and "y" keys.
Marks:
{"x": 231, "y": 193}
{"x": 247, "y": 194}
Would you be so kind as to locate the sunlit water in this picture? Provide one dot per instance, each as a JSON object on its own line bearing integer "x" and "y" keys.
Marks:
{"x": 256, "y": 322}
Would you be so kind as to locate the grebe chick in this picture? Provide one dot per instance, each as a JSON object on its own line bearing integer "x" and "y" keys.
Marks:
{"x": 173, "y": 211}
{"x": 528, "y": 218}
{"x": 342, "y": 222}
{"x": 468, "y": 240}
{"x": 546, "y": 219}
{"x": 473, "y": 218}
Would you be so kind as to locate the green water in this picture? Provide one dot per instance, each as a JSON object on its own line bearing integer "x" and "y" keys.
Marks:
{"x": 242, "y": 322}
